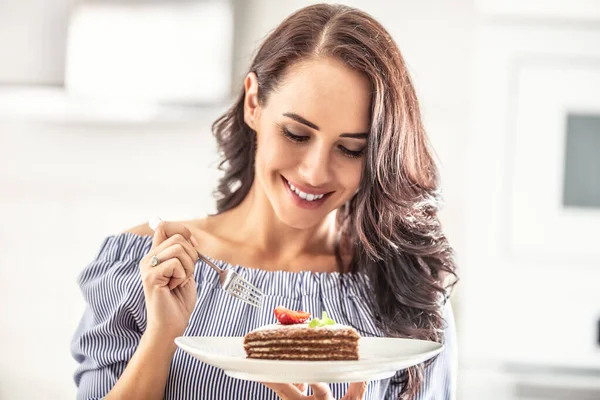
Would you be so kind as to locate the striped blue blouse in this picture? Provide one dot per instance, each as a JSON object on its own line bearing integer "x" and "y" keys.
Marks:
{"x": 115, "y": 318}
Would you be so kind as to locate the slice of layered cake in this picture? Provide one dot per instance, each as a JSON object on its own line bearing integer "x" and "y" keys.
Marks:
{"x": 293, "y": 338}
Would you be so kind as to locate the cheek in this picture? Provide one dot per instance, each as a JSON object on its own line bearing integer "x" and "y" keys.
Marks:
{"x": 272, "y": 153}
{"x": 350, "y": 177}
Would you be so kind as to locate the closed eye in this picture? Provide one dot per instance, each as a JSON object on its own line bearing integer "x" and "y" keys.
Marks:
{"x": 291, "y": 137}
{"x": 351, "y": 153}
{"x": 298, "y": 139}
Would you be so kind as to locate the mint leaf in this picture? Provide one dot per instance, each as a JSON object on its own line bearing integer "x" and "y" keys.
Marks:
{"x": 325, "y": 320}
{"x": 315, "y": 323}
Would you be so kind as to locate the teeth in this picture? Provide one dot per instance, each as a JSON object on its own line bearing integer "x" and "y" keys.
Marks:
{"x": 305, "y": 196}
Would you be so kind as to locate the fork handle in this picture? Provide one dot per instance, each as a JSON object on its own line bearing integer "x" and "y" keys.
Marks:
{"x": 210, "y": 263}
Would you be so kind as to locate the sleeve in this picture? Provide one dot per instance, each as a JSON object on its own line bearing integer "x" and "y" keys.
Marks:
{"x": 439, "y": 378}
{"x": 114, "y": 318}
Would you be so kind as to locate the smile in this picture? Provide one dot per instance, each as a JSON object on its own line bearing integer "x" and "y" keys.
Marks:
{"x": 305, "y": 196}
{"x": 305, "y": 199}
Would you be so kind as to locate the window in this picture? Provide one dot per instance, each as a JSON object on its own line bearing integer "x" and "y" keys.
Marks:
{"x": 582, "y": 162}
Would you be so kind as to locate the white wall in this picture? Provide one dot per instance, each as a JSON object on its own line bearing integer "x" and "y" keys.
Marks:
{"x": 63, "y": 190}
{"x": 33, "y": 41}
{"x": 65, "y": 187}
{"x": 530, "y": 299}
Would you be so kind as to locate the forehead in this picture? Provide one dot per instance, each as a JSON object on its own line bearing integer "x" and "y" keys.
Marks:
{"x": 326, "y": 92}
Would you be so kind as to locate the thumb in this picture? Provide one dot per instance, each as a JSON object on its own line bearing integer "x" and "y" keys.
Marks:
{"x": 321, "y": 391}
{"x": 301, "y": 387}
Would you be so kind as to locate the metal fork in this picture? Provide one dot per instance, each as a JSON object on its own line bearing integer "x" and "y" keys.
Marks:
{"x": 232, "y": 282}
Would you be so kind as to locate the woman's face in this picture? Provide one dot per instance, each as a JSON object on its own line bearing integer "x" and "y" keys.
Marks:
{"x": 311, "y": 139}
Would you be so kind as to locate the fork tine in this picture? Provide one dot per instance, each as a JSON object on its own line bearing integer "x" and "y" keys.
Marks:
{"x": 242, "y": 288}
{"x": 241, "y": 281}
{"x": 252, "y": 302}
{"x": 242, "y": 291}
{"x": 249, "y": 295}
{"x": 242, "y": 298}
{"x": 238, "y": 279}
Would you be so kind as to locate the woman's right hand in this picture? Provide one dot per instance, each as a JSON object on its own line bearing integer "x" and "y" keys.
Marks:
{"x": 169, "y": 287}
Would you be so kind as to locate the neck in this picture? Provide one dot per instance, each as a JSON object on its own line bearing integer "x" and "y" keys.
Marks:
{"x": 257, "y": 226}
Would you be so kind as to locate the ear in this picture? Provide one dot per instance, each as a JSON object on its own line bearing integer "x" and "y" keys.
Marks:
{"x": 251, "y": 100}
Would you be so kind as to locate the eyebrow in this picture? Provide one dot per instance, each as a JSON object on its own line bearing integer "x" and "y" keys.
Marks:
{"x": 304, "y": 121}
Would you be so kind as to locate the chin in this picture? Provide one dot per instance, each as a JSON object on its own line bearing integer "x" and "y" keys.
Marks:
{"x": 300, "y": 219}
{"x": 301, "y": 223}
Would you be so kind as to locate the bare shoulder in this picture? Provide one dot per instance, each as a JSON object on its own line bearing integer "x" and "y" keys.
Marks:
{"x": 202, "y": 228}
{"x": 198, "y": 227}
{"x": 142, "y": 230}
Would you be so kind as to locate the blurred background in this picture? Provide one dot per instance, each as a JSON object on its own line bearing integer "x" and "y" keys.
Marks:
{"x": 105, "y": 114}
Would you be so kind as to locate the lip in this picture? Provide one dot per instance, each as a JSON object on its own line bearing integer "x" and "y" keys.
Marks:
{"x": 305, "y": 189}
{"x": 300, "y": 202}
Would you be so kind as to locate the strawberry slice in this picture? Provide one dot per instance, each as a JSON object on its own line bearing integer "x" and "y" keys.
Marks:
{"x": 289, "y": 317}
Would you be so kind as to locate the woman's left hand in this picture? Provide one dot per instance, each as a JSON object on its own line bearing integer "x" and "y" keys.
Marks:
{"x": 286, "y": 391}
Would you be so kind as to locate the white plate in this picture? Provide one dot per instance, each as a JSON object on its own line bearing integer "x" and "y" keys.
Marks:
{"x": 380, "y": 358}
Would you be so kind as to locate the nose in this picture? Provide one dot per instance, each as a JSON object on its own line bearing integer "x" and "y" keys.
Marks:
{"x": 315, "y": 168}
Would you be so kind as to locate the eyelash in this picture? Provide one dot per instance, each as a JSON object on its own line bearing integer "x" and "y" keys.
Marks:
{"x": 302, "y": 139}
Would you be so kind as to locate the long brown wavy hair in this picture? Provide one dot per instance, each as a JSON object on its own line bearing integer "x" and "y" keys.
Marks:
{"x": 390, "y": 228}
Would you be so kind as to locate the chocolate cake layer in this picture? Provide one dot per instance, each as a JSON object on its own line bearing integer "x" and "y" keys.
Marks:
{"x": 305, "y": 357}
{"x": 304, "y": 346}
{"x": 300, "y": 352}
{"x": 327, "y": 342}
{"x": 302, "y": 331}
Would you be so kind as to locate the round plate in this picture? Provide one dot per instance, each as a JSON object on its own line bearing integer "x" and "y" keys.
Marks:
{"x": 332, "y": 377}
{"x": 380, "y": 358}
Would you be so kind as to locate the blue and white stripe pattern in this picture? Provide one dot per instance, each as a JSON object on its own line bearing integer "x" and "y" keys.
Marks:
{"x": 115, "y": 319}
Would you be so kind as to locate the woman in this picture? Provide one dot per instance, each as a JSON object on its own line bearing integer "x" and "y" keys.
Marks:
{"x": 328, "y": 201}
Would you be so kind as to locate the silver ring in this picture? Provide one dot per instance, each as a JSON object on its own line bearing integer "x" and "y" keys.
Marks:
{"x": 154, "y": 261}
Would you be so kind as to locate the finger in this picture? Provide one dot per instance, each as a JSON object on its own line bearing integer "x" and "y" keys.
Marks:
{"x": 175, "y": 273}
{"x": 178, "y": 251}
{"x": 173, "y": 240}
{"x": 285, "y": 391}
{"x": 187, "y": 286}
{"x": 185, "y": 291}
{"x": 301, "y": 387}
{"x": 356, "y": 391}
{"x": 321, "y": 391}
{"x": 170, "y": 273}
{"x": 165, "y": 230}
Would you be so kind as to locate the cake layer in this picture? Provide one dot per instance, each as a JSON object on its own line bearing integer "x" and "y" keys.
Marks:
{"x": 300, "y": 346}
{"x": 300, "y": 350}
{"x": 294, "y": 342}
{"x": 301, "y": 331}
{"x": 306, "y": 357}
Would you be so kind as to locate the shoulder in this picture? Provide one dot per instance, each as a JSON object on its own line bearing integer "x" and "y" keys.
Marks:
{"x": 207, "y": 231}
{"x": 125, "y": 246}
{"x": 115, "y": 265}
{"x": 140, "y": 230}
{"x": 197, "y": 226}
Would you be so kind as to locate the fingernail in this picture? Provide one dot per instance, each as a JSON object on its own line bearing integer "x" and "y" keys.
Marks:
{"x": 154, "y": 222}
{"x": 194, "y": 241}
